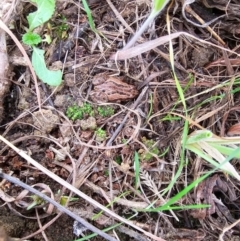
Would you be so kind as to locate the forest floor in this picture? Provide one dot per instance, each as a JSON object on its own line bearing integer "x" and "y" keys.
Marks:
{"x": 116, "y": 128}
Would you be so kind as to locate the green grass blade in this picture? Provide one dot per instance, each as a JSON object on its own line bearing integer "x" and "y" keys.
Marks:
{"x": 185, "y": 207}
{"x": 104, "y": 230}
{"x": 182, "y": 160}
{"x": 223, "y": 149}
{"x": 192, "y": 185}
{"x": 94, "y": 234}
{"x": 136, "y": 169}
{"x": 199, "y": 152}
{"x": 158, "y": 7}
{"x": 150, "y": 107}
{"x": 201, "y": 135}
{"x": 112, "y": 202}
{"x": 89, "y": 15}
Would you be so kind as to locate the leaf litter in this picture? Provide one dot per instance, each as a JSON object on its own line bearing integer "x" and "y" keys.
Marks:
{"x": 206, "y": 65}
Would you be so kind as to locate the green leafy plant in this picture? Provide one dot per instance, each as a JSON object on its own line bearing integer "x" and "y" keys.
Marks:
{"x": 45, "y": 10}
{"x": 64, "y": 199}
{"x": 53, "y": 78}
{"x": 105, "y": 111}
{"x": 31, "y": 38}
{"x": 100, "y": 134}
{"x": 36, "y": 202}
{"x": 43, "y": 14}
{"x": 75, "y": 112}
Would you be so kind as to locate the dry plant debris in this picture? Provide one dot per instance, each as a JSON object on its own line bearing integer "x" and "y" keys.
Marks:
{"x": 113, "y": 129}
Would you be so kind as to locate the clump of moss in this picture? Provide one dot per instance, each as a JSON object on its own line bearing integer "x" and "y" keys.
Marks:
{"x": 75, "y": 112}
{"x": 152, "y": 149}
{"x": 105, "y": 111}
{"x": 101, "y": 134}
